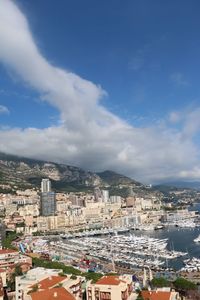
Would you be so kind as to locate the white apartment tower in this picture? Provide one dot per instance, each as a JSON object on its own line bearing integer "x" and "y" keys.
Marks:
{"x": 105, "y": 196}
{"x": 45, "y": 186}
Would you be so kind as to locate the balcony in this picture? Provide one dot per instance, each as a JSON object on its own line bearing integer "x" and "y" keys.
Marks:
{"x": 105, "y": 296}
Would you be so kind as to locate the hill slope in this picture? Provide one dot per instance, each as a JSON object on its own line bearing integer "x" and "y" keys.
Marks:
{"x": 113, "y": 178}
{"x": 26, "y": 173}
{"x": 182, "y": 185}
{"x": 20, "y": 173}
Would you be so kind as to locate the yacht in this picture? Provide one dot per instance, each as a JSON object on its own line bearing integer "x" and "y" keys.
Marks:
{"x": 197, "y": 240}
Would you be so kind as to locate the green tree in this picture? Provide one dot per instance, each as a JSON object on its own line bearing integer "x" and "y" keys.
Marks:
{"x": 183, "y": 284}
{"x": 17, "y": 272}
{"x": 7, "y": 242}
{"x": 139, "y": 297}
{"x": 160, "y": 282}
{"x": 92, "y": 276}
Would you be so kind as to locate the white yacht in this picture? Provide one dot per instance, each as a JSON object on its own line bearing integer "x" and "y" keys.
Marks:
{"x": 197, "y": 240}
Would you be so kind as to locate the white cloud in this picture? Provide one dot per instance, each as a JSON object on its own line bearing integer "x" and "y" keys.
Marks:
{"x": 4, "y": 110}
{"x": 89, "y": 135}
{"x": 189, "y": 118}
{"x": 174, "y": 117}
{"x": 192, "y": 123}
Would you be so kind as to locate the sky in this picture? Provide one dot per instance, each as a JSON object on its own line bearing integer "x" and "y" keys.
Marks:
{"x": 103, "y": 85}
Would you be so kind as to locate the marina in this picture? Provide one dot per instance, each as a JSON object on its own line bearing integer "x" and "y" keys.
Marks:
{"x": 159, "y": 250}
{"x": 161, "y": 247}
{"x": 179, "y": 239}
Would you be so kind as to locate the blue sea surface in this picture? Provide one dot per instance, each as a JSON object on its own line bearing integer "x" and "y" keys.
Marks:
{"x": 179, "y": 239}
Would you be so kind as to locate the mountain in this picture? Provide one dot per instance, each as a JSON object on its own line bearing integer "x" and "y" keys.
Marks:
{"x": 179, "y": 185}
{"x": 21, "y": 173}
{"x": 113, "y": 178}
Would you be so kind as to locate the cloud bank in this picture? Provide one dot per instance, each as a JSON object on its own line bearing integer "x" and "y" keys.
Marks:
{"x": 4, "y": 109}
{"x": 89, "y": 135}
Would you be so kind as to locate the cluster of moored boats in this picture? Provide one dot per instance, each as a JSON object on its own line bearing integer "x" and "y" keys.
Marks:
{"x": 142, "y": 227}
{"x": 95, "y": 232}
{"x": 124, "y": 250}
{"x": 190, "y": 223}
{"x": 186, "y": 224}
{"x": 107, "y": 246}
{"x": 191, "y": 265}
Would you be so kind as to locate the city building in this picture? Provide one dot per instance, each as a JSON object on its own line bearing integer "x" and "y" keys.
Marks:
{"x": 56, "y": 293}
{"x": 45, "y": 186}
{"x": 160, "y": 294}
{"x": 105, "y": 196}
{"x": 47, "y": 199}
{"x": 23, "y": 284}
{"x": 111, "y": 288}
{"x": 2, "y": 233}
{"x": 3, "y": 277}
{"x": 9, "y": 257}
{"x": 29, "y": 210}
{"x": 48, "y": 284}
{"x": 1, "y": 290}
{"x": 116, "y": 199}
{"x": 47, "y": 204}
{"x": 178, "y": 215}
{"x": 97, "y": 194}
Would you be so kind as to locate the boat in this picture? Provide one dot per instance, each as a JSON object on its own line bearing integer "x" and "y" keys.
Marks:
{"x": 157, "y": 227}
{"x": 197, "y": 240}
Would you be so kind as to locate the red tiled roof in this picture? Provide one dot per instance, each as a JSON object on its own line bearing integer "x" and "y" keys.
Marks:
{"x": 2, "y": 270}
{"x": 7, "y": 251}
{"x": 52, "y": 294}
{"x": 50, "y": 282}
{"x": 109, "y": 280}
{"x": 156, "y": 295}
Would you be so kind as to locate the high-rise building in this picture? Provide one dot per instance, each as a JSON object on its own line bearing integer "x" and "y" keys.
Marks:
{"x": 47, "y": 199}
{"x": 45, "y": 186}
{"x": 47, "y": 204}
{"x": 97, "y": 194}
{"x": 115, "y": 199}
{"x": 2, "y": 233}
{"x": 105, "y": 196}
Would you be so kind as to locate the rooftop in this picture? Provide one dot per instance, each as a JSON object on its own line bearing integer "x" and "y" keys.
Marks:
{"x": 109, "y": 280}
{"x": 50, "y": 282}
{"x": 52, "y": 294}
{"x": 156, "y": 295}
{"x": 7, "y": 251}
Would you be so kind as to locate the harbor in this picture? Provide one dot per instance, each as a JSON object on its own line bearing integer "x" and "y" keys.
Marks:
{"x": 159, "y": 250}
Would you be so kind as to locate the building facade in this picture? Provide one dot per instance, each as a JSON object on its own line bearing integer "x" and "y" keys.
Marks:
{"x": 111, "y": 288}
{"x": 45, "y": 186}
{"x": 47, "y": 204}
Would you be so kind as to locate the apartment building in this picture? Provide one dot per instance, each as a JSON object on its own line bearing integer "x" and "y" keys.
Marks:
{"x": 41, "y": 282}
{"x": 159, "y": 295}
{"x": 1, "y": 290}
{"x": 23, "y": 283}
{"x": 111, "y": 288}
{"x": 9, "y": 257}
{"x": 56, "y": 293}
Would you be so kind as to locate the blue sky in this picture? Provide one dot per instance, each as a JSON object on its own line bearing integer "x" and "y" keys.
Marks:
{"x": 142, "y": 58}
